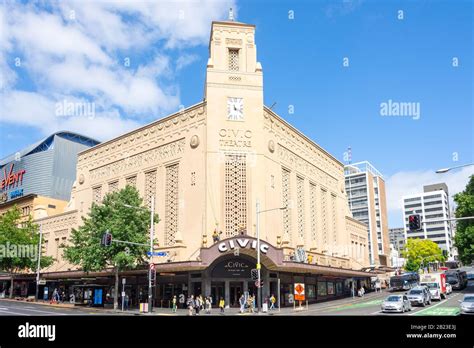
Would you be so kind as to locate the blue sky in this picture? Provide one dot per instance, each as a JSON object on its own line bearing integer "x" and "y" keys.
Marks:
{"x": 403, "y": 60}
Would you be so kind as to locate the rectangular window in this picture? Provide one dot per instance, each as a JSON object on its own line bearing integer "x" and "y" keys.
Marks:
{"x": 286, "y": 196}
{"x": 131, "y": 181}
{"x": 150, "y": 187}
{"x": 300, "y": 205}
{"x": 113, "y": 186}
{"x": 97, "y": 194}
{"x": 322, "y": 290}
{"x": 233, "y": 60}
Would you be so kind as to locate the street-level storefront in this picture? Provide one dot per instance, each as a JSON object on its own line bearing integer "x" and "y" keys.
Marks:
{"x": 224, "y": 271}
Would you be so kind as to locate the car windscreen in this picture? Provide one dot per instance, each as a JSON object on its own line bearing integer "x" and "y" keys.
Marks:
{"x": 432, "y": 285}
{"x": 468, "y": 299}
{"x": 415, "y": 292}
{"x": 393, "y": 298}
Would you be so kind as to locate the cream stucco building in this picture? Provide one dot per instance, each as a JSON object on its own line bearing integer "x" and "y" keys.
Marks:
{"x": 207, "y": 166}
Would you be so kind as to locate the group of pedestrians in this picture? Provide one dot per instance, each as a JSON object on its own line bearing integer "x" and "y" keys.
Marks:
{"x": 197, "y": 304}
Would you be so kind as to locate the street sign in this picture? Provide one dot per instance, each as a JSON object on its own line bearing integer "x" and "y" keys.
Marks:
{"x": 299, "y": 292}
{"x": 124, "y": 281}
{"x": 42, "y": 282}
{"x": 157, "y": 253}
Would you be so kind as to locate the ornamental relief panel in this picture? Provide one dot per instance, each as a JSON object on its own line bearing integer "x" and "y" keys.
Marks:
{"x": 287, "y": 135}
{"x": 304, "y": 166}
{"x": 185, "y": 120}
{"x": 154, "y": 156}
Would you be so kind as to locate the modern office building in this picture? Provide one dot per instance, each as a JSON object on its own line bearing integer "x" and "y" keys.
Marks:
{"x": 365, "y": 187}
{"x": 433, "y": 205}
{"x": 208, "y": 166}
{"x": 39, "y": 178}
{"x": 397, "y": 238}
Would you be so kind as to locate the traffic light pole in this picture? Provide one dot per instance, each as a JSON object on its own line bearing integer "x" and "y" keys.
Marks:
{"x": 259, "y": 266}
{"x": 150, "y": 286}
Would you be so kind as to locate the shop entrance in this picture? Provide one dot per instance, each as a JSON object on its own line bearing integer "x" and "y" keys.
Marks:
{"x": 236, "y": 290}
{"x": 217, "y": 291}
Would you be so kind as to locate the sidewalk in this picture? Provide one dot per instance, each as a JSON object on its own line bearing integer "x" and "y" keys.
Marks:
{"x": 216, "y": 311}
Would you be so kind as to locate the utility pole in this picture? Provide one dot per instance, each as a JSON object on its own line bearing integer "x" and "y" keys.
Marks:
{"x": 259, "y": 266}
{"x": 39, "y": 261}
{"x": 150, "y": 287}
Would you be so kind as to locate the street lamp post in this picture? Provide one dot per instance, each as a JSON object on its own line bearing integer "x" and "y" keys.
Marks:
{"x": 259, "y": 266}
{"x": 444, "y": 170}
{"x": 38, "y": 267}
{"x": 152, "y": 229}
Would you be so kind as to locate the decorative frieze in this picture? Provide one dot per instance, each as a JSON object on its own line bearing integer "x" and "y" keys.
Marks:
{"x": 154, "y": 156}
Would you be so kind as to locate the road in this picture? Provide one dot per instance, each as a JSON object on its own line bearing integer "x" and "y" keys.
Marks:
{"x": 446, "y": 307}
{"x": 19, "y": 308}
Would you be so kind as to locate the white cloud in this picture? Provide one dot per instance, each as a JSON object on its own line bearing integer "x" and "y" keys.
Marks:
{"x": 75, "y": 50}
{"x": 407, "y": 183}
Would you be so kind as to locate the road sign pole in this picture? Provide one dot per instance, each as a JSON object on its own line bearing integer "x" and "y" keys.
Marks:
{"x": 258, "y": 259}
{"x": 38, "y": 268}
{"x": 150, "y": 288}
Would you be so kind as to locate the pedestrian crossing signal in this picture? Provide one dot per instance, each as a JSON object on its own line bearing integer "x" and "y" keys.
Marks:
{"x": 414, "y": 222}
{"x": 254, "y": 274}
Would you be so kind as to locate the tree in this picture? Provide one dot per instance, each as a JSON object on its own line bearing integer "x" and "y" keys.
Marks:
{"x": 420, "y": 251}
{"x": 121, "y": 214}
{"x": 464, "y": 238}
{"x": 19, "y": 245}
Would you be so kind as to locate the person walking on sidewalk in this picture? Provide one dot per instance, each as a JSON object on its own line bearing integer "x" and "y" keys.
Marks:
{"x": 190, "y": 304}
{"x": 242, "y": 303}
{"x": 272, "y": 302}
{"x": 208, "y": 305}
{"x": 175, "y": 304}
{"x": 222, "y": 305}
{"x": 197, "y": 305}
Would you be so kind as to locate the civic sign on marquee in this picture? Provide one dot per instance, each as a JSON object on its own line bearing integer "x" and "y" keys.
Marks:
{"x": 299, "y": 291}
{"x": 11, "y": 179}
{"x": 242, "y": 243}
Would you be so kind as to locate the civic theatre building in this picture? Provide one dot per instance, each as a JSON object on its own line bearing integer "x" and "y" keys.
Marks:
{"x": 207, "y": 166}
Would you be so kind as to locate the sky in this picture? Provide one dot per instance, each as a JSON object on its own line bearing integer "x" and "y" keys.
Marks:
{"x": 337, "y": 70}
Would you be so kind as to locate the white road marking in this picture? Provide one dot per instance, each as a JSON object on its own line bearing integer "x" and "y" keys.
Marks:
{"x": 37, "y": 310}
{"x": 13, "y": 313}
{"x": 429, "y": 307}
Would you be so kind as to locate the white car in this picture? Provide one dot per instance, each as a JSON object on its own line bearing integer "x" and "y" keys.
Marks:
{"x": 449, "y": 288}
{"x": 396, "y": 303}
{"x": 467, "y": 304}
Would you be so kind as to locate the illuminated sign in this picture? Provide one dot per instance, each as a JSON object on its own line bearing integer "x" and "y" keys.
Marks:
{"x": 242, "y": 243}
{"x": 11, "y": 179}
{"x": 16, "y": 194}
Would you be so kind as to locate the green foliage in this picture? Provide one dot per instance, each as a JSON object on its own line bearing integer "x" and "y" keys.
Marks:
{"x": 124, "y": 223}
{"x": 19, "y": 235}
{"x": 464, "y": 238}
{"x": 419, "y": 252}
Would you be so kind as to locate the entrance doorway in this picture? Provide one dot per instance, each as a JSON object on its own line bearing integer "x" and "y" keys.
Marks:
{"x": 217, "y": 291}
{"x": 236, "y": 290}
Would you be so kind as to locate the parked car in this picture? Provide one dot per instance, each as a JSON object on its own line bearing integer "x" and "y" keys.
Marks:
{"x": 396, "y": 303}
{"x": 470, "y": 276}
{"x": 467, "y": 304}
{"x": 419, "y": 295}
{"x": 449, "y": 288}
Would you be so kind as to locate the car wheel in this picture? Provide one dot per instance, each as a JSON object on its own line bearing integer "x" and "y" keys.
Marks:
{"x": 424, "y": 304}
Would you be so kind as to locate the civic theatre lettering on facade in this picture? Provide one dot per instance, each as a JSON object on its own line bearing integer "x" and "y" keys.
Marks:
{"x": 207, "y": 166}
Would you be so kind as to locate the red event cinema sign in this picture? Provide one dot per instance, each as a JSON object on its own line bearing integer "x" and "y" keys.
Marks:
{"x": 12, "y": 179}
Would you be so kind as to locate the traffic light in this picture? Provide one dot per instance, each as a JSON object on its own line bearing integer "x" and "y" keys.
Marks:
{"x": 106, "y": 239}
{"x": 414, "y": 222}
{"x": 254, "y": 274}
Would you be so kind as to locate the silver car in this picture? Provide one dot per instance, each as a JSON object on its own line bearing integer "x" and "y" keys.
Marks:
{"x": 396, "y": 303}
{"x": 419, "y": 295}
{"x": 467, "y": 304}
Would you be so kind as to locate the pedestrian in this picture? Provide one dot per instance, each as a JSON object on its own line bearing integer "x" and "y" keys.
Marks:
{"x": 242, "y": 303}
{"x": 253, "y": 303}
{"x": 208, "y": 305}
{"x": 250, "y": 303}
{"x": 175, "y": 303}
{"x": 197, "y": 305}
{"x": 127, "y": 298}
{"x": 190, "y": 304}
{"x": 272, "y": 302}
{"x": 222, "y": 305}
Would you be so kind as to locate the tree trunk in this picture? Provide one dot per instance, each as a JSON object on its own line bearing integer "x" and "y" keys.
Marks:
{"x": 11, "y": 285}
{"x": 116, "y": 288}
